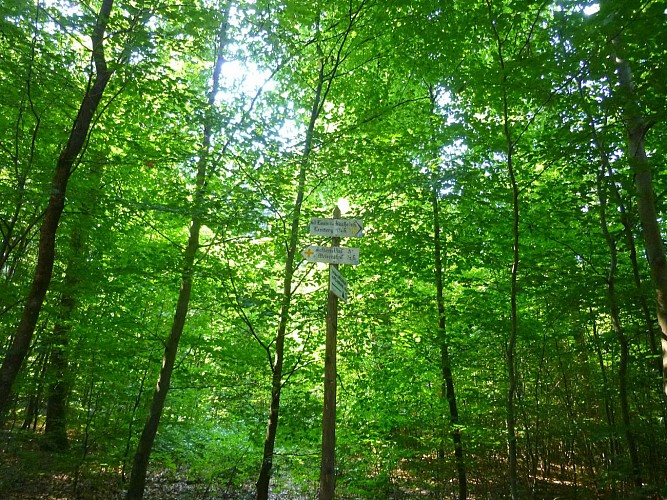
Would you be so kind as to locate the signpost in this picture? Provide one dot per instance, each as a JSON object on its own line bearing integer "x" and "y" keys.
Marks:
{"x": 331, "y": 255}
{"x": 337, "y": 228}
{"x": 334, "y": 255}
{"x": 337, "y": 284}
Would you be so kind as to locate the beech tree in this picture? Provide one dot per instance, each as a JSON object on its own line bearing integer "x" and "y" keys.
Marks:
{"x": 637, "y": 127}
{"x": 66, "y": 161}
{"x": 144, "y": 448}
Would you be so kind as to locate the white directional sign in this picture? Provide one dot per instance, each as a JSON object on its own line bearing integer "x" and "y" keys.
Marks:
{"x": 337, "y": 284}
{"x": 339, "y": 228}
{"x": 331, "y": 255}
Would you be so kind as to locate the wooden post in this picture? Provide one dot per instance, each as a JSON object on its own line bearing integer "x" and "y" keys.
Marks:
{"x": 328, "y": 469}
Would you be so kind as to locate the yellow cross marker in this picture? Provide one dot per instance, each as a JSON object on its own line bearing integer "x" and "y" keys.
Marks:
{"x": 309, "y": 252}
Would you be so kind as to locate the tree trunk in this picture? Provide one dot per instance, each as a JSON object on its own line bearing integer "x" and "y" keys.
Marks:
{"x": 445, "y": 363}
{"x": 55, "y": 433}
{"x": 277, "y": 368}
{"x": 276, "y": 382}
{"x": 130, "y": 427}
{"x": 510, "y": 347}
{"x": 643, "y": 303}
{"x": 599, "y": 143}
{"x": 32, "y": 408}
{"x": 511, "y": 344}
{"x": 636, "y": 128}
{"x": 609, "y": 410}
{"x": 144, "y": 448}
{"x": 614, "y": 313}
{"x": 47, "y": 238}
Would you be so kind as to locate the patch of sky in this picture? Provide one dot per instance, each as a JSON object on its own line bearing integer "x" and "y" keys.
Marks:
{"x": 589, "y": 10}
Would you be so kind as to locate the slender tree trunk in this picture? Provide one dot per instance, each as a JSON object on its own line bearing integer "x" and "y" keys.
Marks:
{"x": 445, "y": 362}
{"x": 614, "y": 312}
{"x": 636, "y": 128}
{"x": 91, "y": 399}
{"x": 55, "y": 434}
{"x": 130, "y": 427}
{"x": 510, "y": 347}
{"x": 608, "y": 407}
{"x": 643, "y": 303}
{"x": 144, "y": 448}
{"x": 510, "y": 354}
{"x": 599, "y": 143}
{"x": 534, "y": 439}
{"x": 571, "y": 415}
{"x": 32, "y": 408}
{"x": 322, "y": 88}
{"x": 47, "y": 238}
{"x": 11, "y": 241}
{"x": 279, "y": 353}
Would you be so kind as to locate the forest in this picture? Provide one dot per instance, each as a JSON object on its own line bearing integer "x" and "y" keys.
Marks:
{"x": 500, "y": 169}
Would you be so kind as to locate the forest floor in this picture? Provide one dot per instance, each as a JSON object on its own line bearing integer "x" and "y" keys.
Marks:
{"x": 37, "y": 475}
{"x": 29, "y": 473}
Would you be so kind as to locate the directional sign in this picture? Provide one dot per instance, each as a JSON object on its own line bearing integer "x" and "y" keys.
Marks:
{"x": 339, "y": 228}
{"x": 337, "y": 284}
{"x": 331, "y": 255}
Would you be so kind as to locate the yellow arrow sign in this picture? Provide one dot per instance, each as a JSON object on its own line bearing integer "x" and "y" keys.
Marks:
{"x": 331, "y": 255}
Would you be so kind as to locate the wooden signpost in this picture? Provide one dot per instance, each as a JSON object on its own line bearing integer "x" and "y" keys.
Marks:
{"x": 336, "y": 228}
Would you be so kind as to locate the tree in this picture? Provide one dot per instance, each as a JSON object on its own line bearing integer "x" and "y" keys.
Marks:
{"x": 55, "y": 431}
{"x": 144, "y": 448}
{"x": 328, "y": 61}
{"x": 637, "y": 127}
{"x": 66, "y": 161}
{"x": 445, "y": 362}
